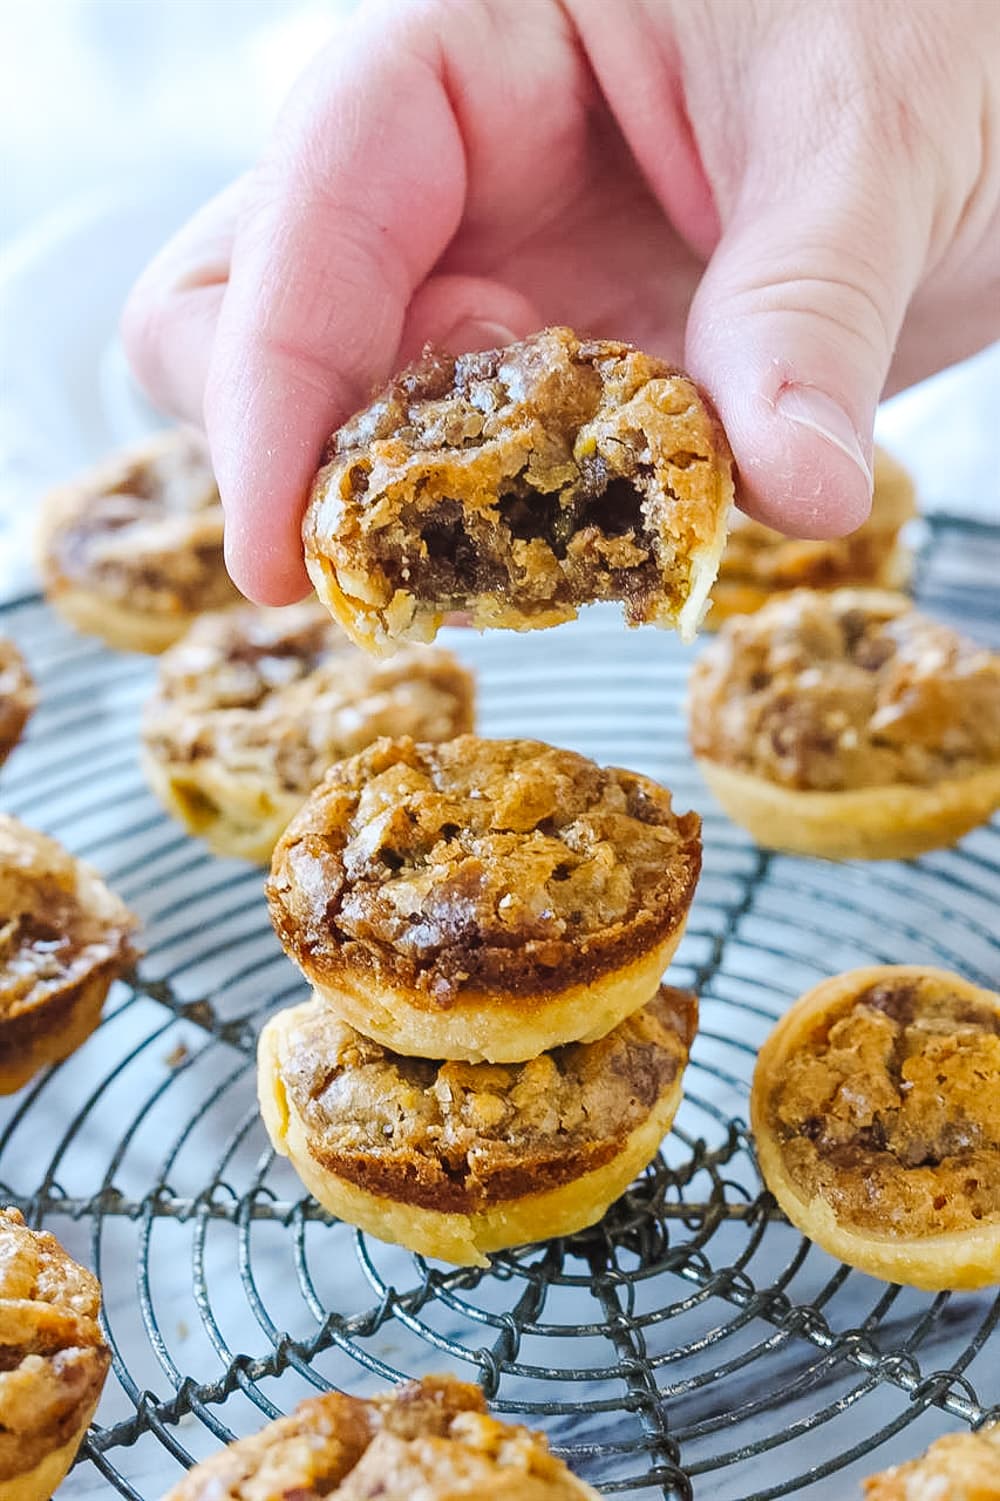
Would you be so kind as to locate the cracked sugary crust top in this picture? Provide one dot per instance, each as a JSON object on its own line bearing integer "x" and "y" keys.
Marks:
{"x": 460, "y": 1137}
{"x": 53, "y": 1359}
{"x": 480, "y": 868}
{"x": 60, "y": 927}
{"x": 889, "y": 1106}
{"x": 17, "y": 696}
{"x": 521, "y": 483}
{"x": 843, "y": 691}
{"x": 426, "y": 1439}
{"x": 957, "y": 1467}
{"x": 275, "y": 696}
{"x": 143, "y": 529}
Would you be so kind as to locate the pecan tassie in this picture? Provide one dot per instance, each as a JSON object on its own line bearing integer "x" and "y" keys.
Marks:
{"x": 834, "y": 692}
{"x": 253, "y": 705}
{"x": 132, "y": 550}
{"x": 63, "y": 938}
{"x": 455, "y": 1160}
{"x": 53, "y": 1358}
{"x": 426, "y": 1439}
{"x": 483, "y": 898}
{"x": 876, "y": 1107}
{"x": 518, "y": 484}
{"x": 18, "y": 696}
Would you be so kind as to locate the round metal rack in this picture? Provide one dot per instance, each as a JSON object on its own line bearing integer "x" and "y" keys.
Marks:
{"x": 691, "y": 1344}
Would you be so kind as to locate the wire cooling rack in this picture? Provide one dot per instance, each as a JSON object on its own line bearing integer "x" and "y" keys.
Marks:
{"x": 691, "y": 1345}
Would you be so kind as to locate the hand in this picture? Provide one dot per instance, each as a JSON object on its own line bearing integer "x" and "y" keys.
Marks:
{"x": 797, "y": 200}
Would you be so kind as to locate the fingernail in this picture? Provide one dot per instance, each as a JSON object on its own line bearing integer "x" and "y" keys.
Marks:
{"x": 820, "y": 413}
{"x": 473, "y": 334}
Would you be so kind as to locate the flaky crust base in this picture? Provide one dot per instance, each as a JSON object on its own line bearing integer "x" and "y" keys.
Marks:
{"x": 74, "y": 1027}
{"x": 959, "y": 1260}
{"x": 40, "y": 1482}
{"x": 234, "y": 816}
{"x": 500, "y": 1028}
{"x": 462, "y": 1239}
{"x": 123, "y": 629}
{"x": 871, "y": 823}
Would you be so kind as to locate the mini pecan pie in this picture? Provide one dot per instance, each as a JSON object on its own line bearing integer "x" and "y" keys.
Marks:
{"x": 63, "y": 938}
{"x": 132, "y": 551}
{"x": 957, "y": 1467}
{"x": 17, "y": 696}
{"x": 456, "y": 1159}
{"x": 53, "y": 1359}
{"x": 483, "y": 898}
{"x": 429, "y": 1440}
{"x": 517, "y": 485}
{"x": 848, "y": 725}
{"x": 254, "y": 705}
{"x": 759, "y": 563}
{"x": 876, "y": 1111}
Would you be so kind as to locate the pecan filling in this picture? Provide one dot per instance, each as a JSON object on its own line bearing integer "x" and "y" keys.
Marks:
{"x": 456, "y": 1136}
{"x": 892, "y": 1111}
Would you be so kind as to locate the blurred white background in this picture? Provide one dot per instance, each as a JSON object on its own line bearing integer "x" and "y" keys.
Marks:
{"x": 117, "y": 117}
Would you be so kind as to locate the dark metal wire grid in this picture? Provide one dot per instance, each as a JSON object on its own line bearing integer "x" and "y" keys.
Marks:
{"x": 693, "y": 1343}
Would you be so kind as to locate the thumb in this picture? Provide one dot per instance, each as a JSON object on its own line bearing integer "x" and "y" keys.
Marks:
{"x": 792, "y": 333}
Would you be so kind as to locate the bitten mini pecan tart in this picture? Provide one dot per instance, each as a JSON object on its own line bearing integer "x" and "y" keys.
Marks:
{"x": 17, "y": 696}
{"x": 518, "y": 484}
{"x": 132, "y": 551}
{"x": 453, "y": 1160}
{"x": 253, "y": 705}
{"x": 848, "y": 725}
{"x": 429, "y": 1440}
{"x": 483, "y": 898}
{"x": 53, "y": 1359}
{"x": 63, "y": 938}
{"x": 876, "y": 1112}
{"x": 957, "y": 1467}
{"x": 759, "y": 563}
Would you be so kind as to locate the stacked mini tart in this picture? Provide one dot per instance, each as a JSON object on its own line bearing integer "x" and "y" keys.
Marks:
{"x": 487, "y": 1058}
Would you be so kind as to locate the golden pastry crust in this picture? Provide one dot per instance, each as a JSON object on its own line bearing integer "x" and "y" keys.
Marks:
{"x": 132, "y": 551}
{"x": 253, "y": 705}
{"x": 427, "y": 1439}
{"x": 848, "y": 725}
{"x": 957, "y": 1467}
{"x": 759, "y": 563}
{"x": 517, "y": 485}
{"x": 455, "y": 1159}
{"x": 64, "y": 938}
{"x": 876, "y": 1111}
{"x": 18, "y": 696}
{"x": 53, "y": 1359}
{"x": 483, "y": 898}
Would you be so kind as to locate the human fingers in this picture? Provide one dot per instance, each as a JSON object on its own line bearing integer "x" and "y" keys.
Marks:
{"x": 346, "y": 215}
{"x": 169, "y": 320}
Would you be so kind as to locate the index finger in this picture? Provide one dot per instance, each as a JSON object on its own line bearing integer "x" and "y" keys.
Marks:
{"x": 356, "y": 200}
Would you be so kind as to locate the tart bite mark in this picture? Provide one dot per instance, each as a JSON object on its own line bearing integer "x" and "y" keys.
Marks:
{"x": 518, "y": 484}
